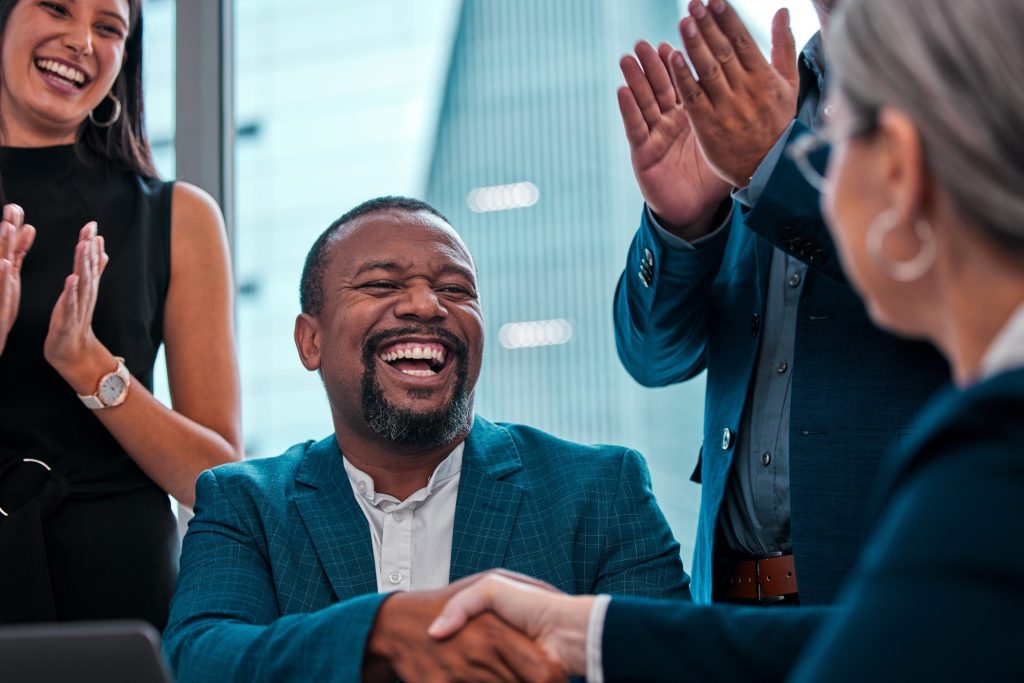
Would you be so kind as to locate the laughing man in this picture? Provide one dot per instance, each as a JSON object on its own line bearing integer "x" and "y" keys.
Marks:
{"x": 298, "y": 567}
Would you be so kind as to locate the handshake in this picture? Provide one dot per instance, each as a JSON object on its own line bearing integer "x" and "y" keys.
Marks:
{"x": 494, "y": 626}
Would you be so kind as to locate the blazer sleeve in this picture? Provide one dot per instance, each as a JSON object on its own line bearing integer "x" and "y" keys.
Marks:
{"x": 661, "y": 306}
{"x": 639, "y": 555}
{"x": 788, "y": 213}
{"x": 225, "y": 624}
{"x": 649, "y": 640}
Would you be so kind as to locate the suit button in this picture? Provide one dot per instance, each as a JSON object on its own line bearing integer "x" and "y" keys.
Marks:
{"x": 766, "y": 459}
{"x": 818, "y": 257}
{"x": 644, "y": 278}
{"x": 648, "y": 258}
{"x": 782, "y": 367}
{"x": 785, "y": 232}
{"x": 794, "y": 280}
{"x": 726, "y": 438}
{"x": 755, "y": 325}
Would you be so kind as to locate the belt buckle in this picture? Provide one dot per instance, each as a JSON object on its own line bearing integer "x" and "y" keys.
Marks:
{"x": 35, "y": 462}
{"x": 757, "y": 573}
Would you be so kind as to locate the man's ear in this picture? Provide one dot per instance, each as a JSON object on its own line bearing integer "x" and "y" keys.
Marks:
{"x": 307, "y": 341}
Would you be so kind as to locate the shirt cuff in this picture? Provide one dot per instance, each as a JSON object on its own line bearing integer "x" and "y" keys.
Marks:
{"x": 675, "y": 242}
{"x": 749, "y": 196}
{"x": 595, "y": 633}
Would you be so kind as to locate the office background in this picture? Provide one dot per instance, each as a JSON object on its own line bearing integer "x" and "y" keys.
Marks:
{"x": 501, "y": 113}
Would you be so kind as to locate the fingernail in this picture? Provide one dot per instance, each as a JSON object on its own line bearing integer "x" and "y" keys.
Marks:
{"x": 717, "y": 6}
{"x": 697, "y": 10}
{"x": 690, "y": 29}
{"x": 677, "y": 60}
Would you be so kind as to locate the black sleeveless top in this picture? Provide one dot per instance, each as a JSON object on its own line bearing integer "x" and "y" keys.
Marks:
{"x": 61, "y": 189}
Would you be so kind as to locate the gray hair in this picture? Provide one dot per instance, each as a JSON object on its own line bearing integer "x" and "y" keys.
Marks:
{"x": 956, "y": 68}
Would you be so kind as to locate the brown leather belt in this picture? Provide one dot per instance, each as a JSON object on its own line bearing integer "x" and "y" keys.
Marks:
{"x": 765, "y": 579}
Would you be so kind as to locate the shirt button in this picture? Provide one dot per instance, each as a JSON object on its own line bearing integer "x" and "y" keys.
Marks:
{"x": 794, "y": 280}
{"x": 361, "y": 486}
{"x": 766, "y": 459}
{"x": 397, "y": 515}
{"x": 782, "y": 367}
{"x": 395, "y": 578}
{"x": 726, "y": 438}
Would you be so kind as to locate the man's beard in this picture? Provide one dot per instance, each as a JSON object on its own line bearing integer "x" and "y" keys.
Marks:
{"x": 405, "y": 427}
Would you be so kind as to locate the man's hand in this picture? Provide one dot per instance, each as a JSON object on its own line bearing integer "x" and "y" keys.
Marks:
{"x": 15, "y": 240}
{"x": 486, "y": 649}
{"x": 674, "y": 178}
{"x": 739, "y": 104}
{"x": 558, "y": 622}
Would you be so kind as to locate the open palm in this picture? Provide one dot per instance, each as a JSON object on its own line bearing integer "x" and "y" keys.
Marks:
{"x": 15, "y": 241}
{"x": 674, "y": 177}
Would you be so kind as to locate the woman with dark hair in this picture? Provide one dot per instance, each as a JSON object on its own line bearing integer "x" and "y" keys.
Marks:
{"x": 87, "y": 454}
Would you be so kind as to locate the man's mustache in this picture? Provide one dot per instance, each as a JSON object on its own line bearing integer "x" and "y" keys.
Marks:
{"x": 374, "y": 342}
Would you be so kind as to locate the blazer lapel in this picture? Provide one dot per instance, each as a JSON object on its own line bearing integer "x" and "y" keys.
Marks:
{"x": 334, "y": 521}
{"x": 487, "y": 507}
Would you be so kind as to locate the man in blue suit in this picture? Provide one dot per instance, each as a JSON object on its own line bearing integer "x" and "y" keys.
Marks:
{"x": 288, "y": 566}
{"x": 732, "y": 271}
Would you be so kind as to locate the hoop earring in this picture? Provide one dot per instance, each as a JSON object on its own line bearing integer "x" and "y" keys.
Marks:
{"x": 113, "y": 119}
{"x": 901, "y": 271}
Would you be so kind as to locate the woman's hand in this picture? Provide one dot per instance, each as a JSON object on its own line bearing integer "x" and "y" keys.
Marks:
{"x": 15, "y": 240}
{"x": 70, "y": 338}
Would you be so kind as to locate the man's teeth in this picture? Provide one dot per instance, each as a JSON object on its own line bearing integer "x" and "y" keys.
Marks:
{"x": 417, "y": 352}
{"x": 419, "y": 373}
{"x": 65, "y": 72}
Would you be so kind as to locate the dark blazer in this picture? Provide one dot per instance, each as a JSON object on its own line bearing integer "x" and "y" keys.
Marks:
{"x": 702, "y": 310}
{"x": 277, "y": 573}
{"x": 938, "y": 594}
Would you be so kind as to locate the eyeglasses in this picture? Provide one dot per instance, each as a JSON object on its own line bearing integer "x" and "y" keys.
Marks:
{"x": 801, "y": 149}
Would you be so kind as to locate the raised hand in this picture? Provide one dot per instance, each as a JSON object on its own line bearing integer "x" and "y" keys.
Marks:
{"x": 15, "y": 240}
{"x": 556, "y": 621}
{"x": 739, "y": 104}
{"x": 70, "y": 335}
{"x": 674, "y": 177}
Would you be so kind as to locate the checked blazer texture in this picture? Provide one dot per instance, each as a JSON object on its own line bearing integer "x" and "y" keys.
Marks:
{"x": 277, "y": 575}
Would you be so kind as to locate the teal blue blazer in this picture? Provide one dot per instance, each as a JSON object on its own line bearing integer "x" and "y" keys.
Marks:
{"x": 277, "y": 577}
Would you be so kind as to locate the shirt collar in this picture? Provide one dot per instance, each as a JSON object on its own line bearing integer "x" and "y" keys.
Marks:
{"x": 362, "y": 483}
{"x": 1006, "y": 351}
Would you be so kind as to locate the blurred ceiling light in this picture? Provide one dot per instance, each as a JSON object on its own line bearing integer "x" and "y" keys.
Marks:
{"x": 502, "y": 197}
{"x": 534, "y": 333}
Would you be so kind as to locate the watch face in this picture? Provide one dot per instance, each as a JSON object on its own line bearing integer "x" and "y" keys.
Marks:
{"x": 111, "y": 388}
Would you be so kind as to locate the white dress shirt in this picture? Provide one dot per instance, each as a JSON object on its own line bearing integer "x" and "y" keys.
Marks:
{"x": 412, "y": 538}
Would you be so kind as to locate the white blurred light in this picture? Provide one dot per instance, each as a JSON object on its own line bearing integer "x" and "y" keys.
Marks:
{"x": 502, "y": 197}
{"x": 533, "y": 333}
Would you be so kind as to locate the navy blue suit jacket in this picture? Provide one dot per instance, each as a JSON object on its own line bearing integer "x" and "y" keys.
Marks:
{"x": 855, "y": 388}
{"x": 938, "y": 594}
{"x": 277, "y": 574}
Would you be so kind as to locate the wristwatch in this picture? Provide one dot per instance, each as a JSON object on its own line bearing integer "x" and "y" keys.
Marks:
{"x": 112, "y": 389}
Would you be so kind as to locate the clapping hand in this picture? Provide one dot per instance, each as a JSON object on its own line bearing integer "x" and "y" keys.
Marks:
{"x": 70, "y": 336}
{"x": 674, "y": 177}
{"x": 738, "y": 104}
{"x": 16, "y": 239}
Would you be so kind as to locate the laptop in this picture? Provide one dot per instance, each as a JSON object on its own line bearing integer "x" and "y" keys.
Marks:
{"x": 85, "y": 651}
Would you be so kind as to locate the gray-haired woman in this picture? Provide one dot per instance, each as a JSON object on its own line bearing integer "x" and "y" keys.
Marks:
{"x": 925, "y": 198}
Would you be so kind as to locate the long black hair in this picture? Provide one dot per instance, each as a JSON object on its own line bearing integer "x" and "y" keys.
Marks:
{"x": 123, "y": 144}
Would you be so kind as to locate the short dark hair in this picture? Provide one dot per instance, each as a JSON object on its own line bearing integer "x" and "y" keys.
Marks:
{"x": 311, "y": 287}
